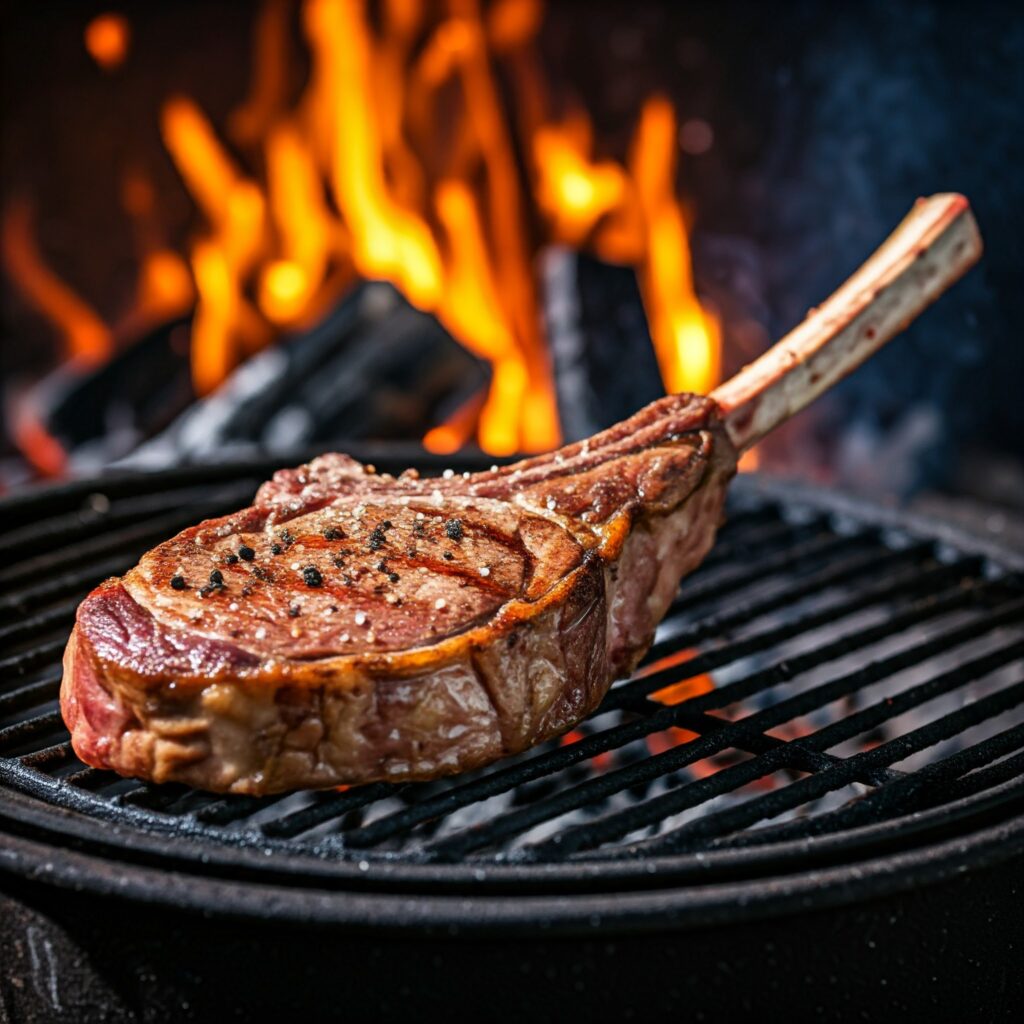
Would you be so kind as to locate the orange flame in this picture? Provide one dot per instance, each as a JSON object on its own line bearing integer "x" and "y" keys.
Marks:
{"x": 676, "y": 694}
{"x": 402, "y": 160}
{"x": 86, "y": 337}
{"x": 446, "y": 224}
{"x": 107, "y": 38}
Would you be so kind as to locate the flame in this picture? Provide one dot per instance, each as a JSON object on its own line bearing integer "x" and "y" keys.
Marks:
{"x": 749, "y": 461}
{"x": 41, "y": 448}
{"x": 686, "y": 338}
{"x": 107, "y": 38}
{"x": 445, "y": 222}
{"x": 695, "y": 686}
{"x": 87, "y": 339}
{"x": 423, "y": 150}
{"x": 600, "y": 762}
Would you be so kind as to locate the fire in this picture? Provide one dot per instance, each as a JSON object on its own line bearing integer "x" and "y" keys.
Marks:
{"x": 400, "y": 161}
{"x": 107, "y": 38}
{"x": 445, "y": 223}
{"x": 87, "y": 340}
{"x": 600, "y": 762}
{"x": 677, "y": 693}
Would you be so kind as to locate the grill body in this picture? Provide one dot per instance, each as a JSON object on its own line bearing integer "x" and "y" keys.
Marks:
{"x": 826, "y": 821}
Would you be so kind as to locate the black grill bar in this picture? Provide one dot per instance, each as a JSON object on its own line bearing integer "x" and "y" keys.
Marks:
{"x": 56, "y": 533}
{"x": 780, "y": 578}
{"x": 901, "y": 793}
{"x": 36, "y": 625}
{"x": 136, "y": 537}
{"x": 734, "y": 734}
{"x": 730, "y": 779}
{"x": 29, "y": 695}
{"x": 913, "y": 581}
{"x": 695, "y": 834}
{"x": 22, "y": 732}
{"x": 738, "y": 577}
{"x": 230, "y": 809}
{"x": 61, "y": 584}
{"x": 843, "y": 572}
{"x": 43, "y": 654}
{"x": 766, "y": 532}
{"x": 48, "y": 757}
{"x": 328, "y": 808}
{"x": 663, "y": 717}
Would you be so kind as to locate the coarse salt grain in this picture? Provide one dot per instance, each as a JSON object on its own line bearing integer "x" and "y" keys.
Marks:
{"x": 551, "y": 503}
{"x": 440, "y": 603}
{"x": 436, "y": 497}
{"x": 448, "y": 474}
{"x": 485, "y": 570}
{"x": 360, "y": 618}
{"x": 261, "y": 633}
{"x": 420, "y": 515}
{"x": 233, "y": 607}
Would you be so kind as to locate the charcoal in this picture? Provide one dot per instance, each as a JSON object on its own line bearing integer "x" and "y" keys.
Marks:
{"x": 375, "y": 368}
{"x": 134, "y": 395}
{"x": 604, "y": 362}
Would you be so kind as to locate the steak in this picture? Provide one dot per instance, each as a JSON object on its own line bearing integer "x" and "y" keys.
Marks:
{"x": 352, "y": 626}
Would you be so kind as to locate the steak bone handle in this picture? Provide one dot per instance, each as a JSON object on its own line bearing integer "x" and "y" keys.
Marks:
{"x": 936, "y": 243}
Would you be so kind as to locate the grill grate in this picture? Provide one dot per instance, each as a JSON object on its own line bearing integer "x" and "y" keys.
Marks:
{"x": 830, "y": 672}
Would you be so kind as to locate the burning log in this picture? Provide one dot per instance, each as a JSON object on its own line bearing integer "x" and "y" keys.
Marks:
{"x": 104, "y": 413}
{"x": 375, "y": 368}
{"x": 596, "y": 326}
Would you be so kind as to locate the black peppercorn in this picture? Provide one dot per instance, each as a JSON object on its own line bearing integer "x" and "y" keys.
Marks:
{"x": 246, "y": 553}
{"x": 312, "y": 577}
{"x": 332, "y": 533}
{"x": 393, "y": 576}
{"x": 294, "y": 611}
{"x": 230, "y": 559}
{"x": 178, "y": 583}
{"x": 216, "y": 578}
{"x": 453, "y": 527}
{"x": 276, "y": 549}
{"x": 448, "y": 555}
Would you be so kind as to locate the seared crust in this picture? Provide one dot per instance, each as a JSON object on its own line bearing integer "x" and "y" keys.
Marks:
{"x": 412, "y": 677}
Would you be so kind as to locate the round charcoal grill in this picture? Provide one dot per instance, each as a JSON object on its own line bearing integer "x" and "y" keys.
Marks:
{"x": 809, "y": 800}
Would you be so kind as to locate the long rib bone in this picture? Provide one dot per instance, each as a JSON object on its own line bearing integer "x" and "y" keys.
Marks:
{"x": 933, "y": 247}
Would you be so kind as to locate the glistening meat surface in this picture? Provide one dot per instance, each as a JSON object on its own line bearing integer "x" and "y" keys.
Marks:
{"x": 350, "y": 627}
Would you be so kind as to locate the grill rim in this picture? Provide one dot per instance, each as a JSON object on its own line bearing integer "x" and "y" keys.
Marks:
{"x": 25, "y": 855}
{"x": 573, "y": 914}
